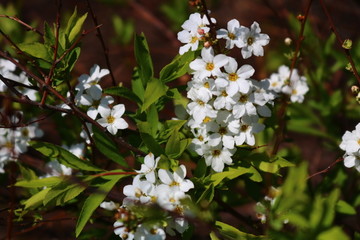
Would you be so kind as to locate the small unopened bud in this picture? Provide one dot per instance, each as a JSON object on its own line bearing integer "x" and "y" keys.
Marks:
{"x": 355, "y": 90}
{"x": 207, "y": 44}
{"x": 347, "y": 44}
{"x": 300, "y": 17}
{"x": 288, "y": 41}
{"x": 349, "y": 67}
{"x": 200, "y": 31}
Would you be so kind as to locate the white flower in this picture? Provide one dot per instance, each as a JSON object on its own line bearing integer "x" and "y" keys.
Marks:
{"x": 176, "y": 180}
{"x": 149, "y": 167}
{"x": 111, "y": 118}
{"x": 123, "y": 231}
{"x": 145, "y": 233}
{"x": 208, "y": 65}
{"x": 139, "y": 192}
{"x": 296, "y": 89}
{"x": 109, "y": 205}
{"x": 30, "y": 93}
{"x": 351, "y": 141}
{"x": 248, "y": 127}
{"x": 352, "y": 160}
{"x": 96, "y": 107}
{"x": 217, "y": 157}
{"x": 245, "y": 104}
{"x": 232, "y": 34}
{"x": 90, "y": 82}
{"x": 191, "y": 40}
{"x": 169, "y": 199}
{"x": 253, "y": 41}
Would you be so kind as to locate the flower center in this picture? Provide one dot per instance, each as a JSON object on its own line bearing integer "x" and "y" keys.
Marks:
{"x": 293, "y": 92}
{"x": 233, "y": 77}
{"x": 25, "y": 132}
{"x": 174, "y": 183}
{"x": 201, "y": 138}
{"x": 243, "y": 98}
{"x": 224, "y": 93}
{"x": 274, "y": 84}
{"x": 194, "y": 39}
{"x": 222, "y": 131}
{"x": 110, "y": 119}
{"x": 210, "y": 66}
{"x": 250, "y": 41}
{"x": 207, "y": 85}
{"x": 201, "y": 103}
{"x": 244, "y": 128}
{"x": 206, "y": 119}
{"x": 231, "y": 36}
{"x": 216, "y": 152}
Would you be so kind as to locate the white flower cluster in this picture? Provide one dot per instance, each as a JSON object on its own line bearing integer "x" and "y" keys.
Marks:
{"x": 7, "y": 70}
{"x": 196, "y": 30}
{"x": 226, "y": 104}
{"x": 89, "y": 94}
{"x": 296, "y": 87}
{"x": 351, "y": 145}
{"x": 14, "y": 141}
{"x": 149, "y": 187}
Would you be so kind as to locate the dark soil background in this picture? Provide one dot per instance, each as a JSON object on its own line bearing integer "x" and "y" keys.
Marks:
{"x": 272, "y": 16}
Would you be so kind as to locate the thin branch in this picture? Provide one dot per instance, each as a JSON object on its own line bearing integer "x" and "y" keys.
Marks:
{"x": 27, "y": 26}
{"x": 340, "y": 41}
{"x": 279, "y": 134}
{"x": 326, "y": 169}
{"x": 48, "y": 78}
{"x": 100, "y": 36}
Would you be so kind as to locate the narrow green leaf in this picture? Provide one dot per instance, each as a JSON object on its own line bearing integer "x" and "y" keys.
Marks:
{"x": 42, "y": 182}
{"x": 63, "y": 156}
{"x": 178, "y": 67}
{"x": 76, "y": 28}
{"x": 154, "y": 90}
{"x": 232, "y": 233}
{"x": 143, "y": 58}
{"x": 152, "y": 119}
{"x": 137, "y": 86}
{"x": 123, "y": 92}
{"x": 63, "y": 192}
{"x": 151, "y": 144}
{"x": 108, "y": 147}
{"x": 93, "y": 201}
{"x": 208, "y": 194}
{"x": 345, "y": 208}
{"x": 274, "y": 164}
{"x": 333, "y": 233}
{"x": 36, "y": 199}
{"x": 229, "y": 174}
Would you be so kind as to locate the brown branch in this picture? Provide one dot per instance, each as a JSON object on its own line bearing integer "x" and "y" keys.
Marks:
{"x": 101, "y": 39}
{"x": 279, "y": 134}
{"x": 48, "y": 78}
{"x": 22, "y": 23}
{"x": 212, "y": 32}
{"x": 339, "y": 40}
{"x": 326, "y": 169}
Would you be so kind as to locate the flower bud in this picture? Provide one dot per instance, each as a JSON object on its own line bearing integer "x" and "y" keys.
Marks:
{"x": 207, "y": 44}
{"x": 355, "y": 90}
{"x": 288, "y": 41}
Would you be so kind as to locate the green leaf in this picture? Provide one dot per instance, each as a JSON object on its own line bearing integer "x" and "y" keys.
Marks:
{"x": 143, "y": 58}
{"x": 42, "y": 182}
{"x": 151, "y": 144}
{"x": 333, "y": 233}
{"x": 345, "y": 208}
{"x": 36, "y": 199}
{"x": 176, "y": 146}
{"x": 230, "y": 173}
{"x": 154, "y": 90}
{"x": 178, "y": 67}
{"x": 123, "y": 92}
{"x": 63, "y": 156}
{"x": 76, "y": 28}
{"x": 137, "y": 86}
{"x": 93, "y": 201}
{"x": 232, "y": 233}
{"x": 274, "y": 164}
{"x": 36, "y": 49}
{"x": 108, "y": 147}
{"x": 152, "y": 119}
{"x": 63, "y": 192}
